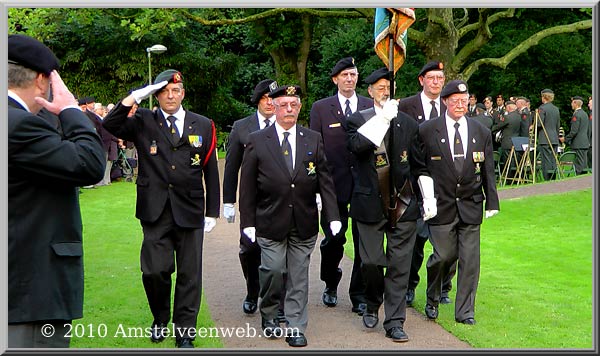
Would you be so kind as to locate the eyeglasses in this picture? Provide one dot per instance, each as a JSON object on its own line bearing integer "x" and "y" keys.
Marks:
{"x": 464, "y": 102}
{"x": 173, "y": 91}
{"x": 294, "y": 105}
{"x": 434, "y": 77}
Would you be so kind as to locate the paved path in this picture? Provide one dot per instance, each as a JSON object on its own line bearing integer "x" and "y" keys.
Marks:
{"x": 329, "y": 328}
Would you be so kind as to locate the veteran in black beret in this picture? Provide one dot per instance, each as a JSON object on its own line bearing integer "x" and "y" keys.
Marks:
{"x": 178, "y": 198}
{"x": 459, "y": 156}
{"x": 49, "y": 158}
{"x": 370, "y": 202}
{"x": 328, "y": 117}
{"x": 283, "y": 169}
{"x": 431, "y": 66}
{"x": 249, "y": 253}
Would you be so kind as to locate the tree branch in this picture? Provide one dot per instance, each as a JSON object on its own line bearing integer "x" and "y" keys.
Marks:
{"x": 522, "y": 47}
{"x": 508, "y": 13}
{"x": 352, "y": 13}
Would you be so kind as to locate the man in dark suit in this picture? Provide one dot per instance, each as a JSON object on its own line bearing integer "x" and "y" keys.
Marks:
{"x": 509, "y": 125}
{"x": 49, "y": 157}
{"x": 481, "y": 117}
{"x": 283, "y": 169}
{"x": 238, "y": 139}
{"x": 460, "y": 160}
{"x": 547, "y": 127}
{"x": 424, "y": 106}
{"x": 472, "y": 109}
{"x": 328, "y": 116}
{"x": 374, "y": 146}
{"x": 577, "y": 139}
{"x": 176, "y": 151}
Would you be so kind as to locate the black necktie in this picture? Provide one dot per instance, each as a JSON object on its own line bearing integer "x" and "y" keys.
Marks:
{"x": 348, "y": 111}
{"x": 286, "y": 149}
{"x": 174, "y": 130}
{"x": 459, "y": 154}
{"x": 267, "y": 123}
{"x": 434, "y": 112}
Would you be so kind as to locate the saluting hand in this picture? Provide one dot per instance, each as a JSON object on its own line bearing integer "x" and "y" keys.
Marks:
{"x": 61, "y": 96}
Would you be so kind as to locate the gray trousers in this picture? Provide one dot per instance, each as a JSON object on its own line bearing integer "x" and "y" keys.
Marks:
{"x": 450, "y": 242}
{"x": 39, "y": 334}
{"x": 291, "y": 256}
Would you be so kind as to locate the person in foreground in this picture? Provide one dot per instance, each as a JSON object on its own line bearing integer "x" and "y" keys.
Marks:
{"x": 49, "y": 157}
{"x": 386, "y": 145}
{"x": 459, "y": 157}
{"x": 176, "y": 151}
{"x": 283, "y": 169}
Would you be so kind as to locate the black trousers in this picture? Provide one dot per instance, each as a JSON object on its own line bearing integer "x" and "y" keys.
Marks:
{"x": 165, "y": 247}
{"x": 418, "y": 256}
{"x": 332, "y": 252}
{"x": 39, "y": 334}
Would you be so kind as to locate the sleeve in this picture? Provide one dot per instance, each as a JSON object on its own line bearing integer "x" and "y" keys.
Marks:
{"x": 248, "y": 186}
{"x": 326, "y": 185}
{"x": 233, "y": 162}
{"x": 211, "y": 178}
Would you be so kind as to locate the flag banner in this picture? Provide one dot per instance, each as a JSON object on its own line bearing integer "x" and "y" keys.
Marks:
{"x": 395, "y": 22}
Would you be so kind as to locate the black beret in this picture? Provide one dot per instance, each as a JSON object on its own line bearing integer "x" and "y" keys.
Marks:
{"x": 31, "y": 53}
{"x": 378, "y": 74}
{"x": 577, "y": 97}
{"x": 81, "y": 101}
{"x": 342, "y": 64}
{"x": 433, "y": 65}
{"x": 286, "y": 90}
{"x": 263, "y": 87}
{"x": 547, "y": 91}
{"x": 90, "y": 99}
{"x": 454, "y": 87}
{"x": 170, "y": 75}
{"x": 480, "y": 106}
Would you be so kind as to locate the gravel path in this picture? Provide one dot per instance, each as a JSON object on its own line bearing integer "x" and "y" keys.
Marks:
{"x": 329, "y": 328}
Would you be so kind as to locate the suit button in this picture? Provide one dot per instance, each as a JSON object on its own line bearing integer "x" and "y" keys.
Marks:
{"x": 457, "y": 199}
{"x": 290, "y": 206}
{"x": 173, "y": 167}
{"x": 174, "y": 148}
{"x": 458, "y": 185}
{"x": 293, "y": 185}
{"x": 170, "y": 185}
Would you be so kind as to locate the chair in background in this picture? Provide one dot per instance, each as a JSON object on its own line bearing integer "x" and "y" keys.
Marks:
{"x": 566, "y": 165}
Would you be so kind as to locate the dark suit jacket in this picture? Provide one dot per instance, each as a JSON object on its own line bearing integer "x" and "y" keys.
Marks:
{"x": 271, "y": 199}
{"x": 460, "y": 195}
{"x": 510, "y": 124}
{"x": 366, "y": 205}
{"x": 45, "y": 253}
{"x": 413, "y": 106}
{"x": 172, "y": 173}
{"x": 238, "y": 139}
{"x": 327, "y": 118}
{"x": 550, "y": 117}
{"x": 578, "y": 135}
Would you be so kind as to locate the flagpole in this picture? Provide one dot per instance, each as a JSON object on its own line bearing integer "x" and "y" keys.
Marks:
{"x": 391, "y": 138}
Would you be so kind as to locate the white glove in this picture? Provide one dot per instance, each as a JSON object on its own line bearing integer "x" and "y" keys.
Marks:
{"x": 229, "y": 212}
{"x": 148, "y": 90}
{"x": 390, "y": 110}
{"x": 319, "y": 203}
{"x": 209, "y": 223}
{"x": 250, "y": 232}
{"x": 429, "y": 201}
{"x": 335, "y": 227}
{"x": 490, "y": 213}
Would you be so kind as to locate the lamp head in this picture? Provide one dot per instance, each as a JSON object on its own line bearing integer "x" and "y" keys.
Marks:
{"x": 157, "y": 48}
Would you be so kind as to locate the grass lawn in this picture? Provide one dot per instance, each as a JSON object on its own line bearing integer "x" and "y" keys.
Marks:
{"x": 535, "y": 286}
{"x": 535, "y": 290}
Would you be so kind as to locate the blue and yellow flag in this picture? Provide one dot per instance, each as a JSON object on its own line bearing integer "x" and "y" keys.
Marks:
{"x": 395, "y": 22}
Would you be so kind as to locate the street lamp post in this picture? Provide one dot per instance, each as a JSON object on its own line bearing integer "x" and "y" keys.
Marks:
{"x": 157, "y": 48}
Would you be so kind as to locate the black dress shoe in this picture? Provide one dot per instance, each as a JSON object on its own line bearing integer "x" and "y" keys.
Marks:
{"x": 370, "y": 319}
{"x": 468, "y": 321}
{"x": 397, "y": 334}
{"x": 297, "y": 340}
{"x": 445, "y": 299}
{"x": 330, "y": 297}
{"x": 249, "y": 306}
{"x": 271, "y": 328}
{"x": 410, "y": 296}
{"x": 158, "y": 332}
{"x": 360, "y": 308}
{"x": 184, "y": 343}
{"x": 431, "y": 311}
{"x": 281, "y": 316}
